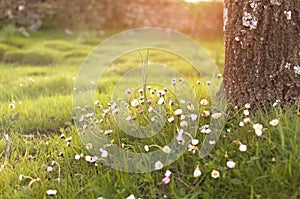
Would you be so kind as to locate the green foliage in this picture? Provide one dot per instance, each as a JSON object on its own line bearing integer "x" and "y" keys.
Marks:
{"x": 40, "y": 120}
{"x": 59, "y": 45}
{"x": 8, "y": 31}
{"x": 4, "y": 48}
{"x": 32, "y": 57}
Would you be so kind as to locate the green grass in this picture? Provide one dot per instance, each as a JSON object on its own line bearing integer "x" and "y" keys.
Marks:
{"x": 36, "y": 109}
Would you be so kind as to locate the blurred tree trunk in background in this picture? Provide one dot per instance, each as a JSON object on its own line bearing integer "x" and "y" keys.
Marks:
{"x": 262, "y": 60}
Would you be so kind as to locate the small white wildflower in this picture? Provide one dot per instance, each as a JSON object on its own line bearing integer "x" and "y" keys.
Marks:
{"x": 178, "y": 112}
{"x": 258, "y": 129}
{"x": 161, "y": 101}
{"x": 215, "y": 174}
{"x": 197, "y": 172}
{"x": 212, "y": 142}
{"x": 194, "y": 117}
{"x": 190, "y": 107}
{"x": 131, "y": 196}
{"x": 276, "y": 103}
{"x": 171, "y": 119}
{"x": 243, "y": 147}
{"x": 216, "y": 115}
{"x": 182, "y": 117}
{"x": 12, "y": 105}
{"x": 230, "y": 164}
{"x": 51, "y": 192}
{"x": 135, "y": 102}
{"x": 195, "y": 142}
{"x": 168, "y": 173}
{"x": 158, "y": 165}
{"x": 241, "y": 124}
{"x": 150, "y": 109}
{"x": 77, "y": 157}
{"x": 274, "y": 122}
{"x": 183, "y": 123}
{"x": 104, "y": 153}
{"x": 89, "y": 146}
{"x": 205, "y": 130}
{"x": 204, "y": 102}
{"x": 166, "y": 149}
{"x": 246, "y": 112}
{"x": 247, "y": 105}
{"x": 146, "y": 147}
{"x": 205, "y": 113}
{"x": 128, "y": 118}
{"x": 88, "y": 158}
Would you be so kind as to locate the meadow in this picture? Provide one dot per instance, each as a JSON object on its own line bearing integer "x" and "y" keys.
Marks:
{"x": 256, "y": 156}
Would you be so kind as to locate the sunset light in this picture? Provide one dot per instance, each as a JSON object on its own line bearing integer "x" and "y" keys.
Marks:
{"x": 197, "y": 1}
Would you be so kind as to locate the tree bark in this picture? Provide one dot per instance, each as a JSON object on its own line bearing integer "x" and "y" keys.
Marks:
{"x": 262, "y": 59}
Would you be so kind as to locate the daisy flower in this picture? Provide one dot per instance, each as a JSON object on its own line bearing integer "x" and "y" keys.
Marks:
{"x": 77, "y": 157}
{"x": 246, "y": 112}
{"x": 158, "y": 165}
{"x": 274, "y": 122}
{"x": 204, "y": 102}
{"x": 243, "y": 147}
{"x": 215, "y": 174}
{"x": 205, "y": 113}
{"x": 183, "y": 123}
{"x": 258, "y": 129}
{"x": 178, "y": 112}
{"x": 230, "y": 164}
{"x": 166, "y": 149}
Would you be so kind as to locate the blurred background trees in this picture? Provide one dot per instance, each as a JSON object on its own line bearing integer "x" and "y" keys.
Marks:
{"x": 201, "y": 19}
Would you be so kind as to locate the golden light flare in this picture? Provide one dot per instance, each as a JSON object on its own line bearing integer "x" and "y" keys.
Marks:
{"x": 197, "y": 1}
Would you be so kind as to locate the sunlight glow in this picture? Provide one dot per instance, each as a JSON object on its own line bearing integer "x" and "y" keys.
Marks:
{"x": 196, "y": 1}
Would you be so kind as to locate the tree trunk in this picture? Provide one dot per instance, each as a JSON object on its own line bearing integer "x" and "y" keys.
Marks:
{"x": 262, "y": 60}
